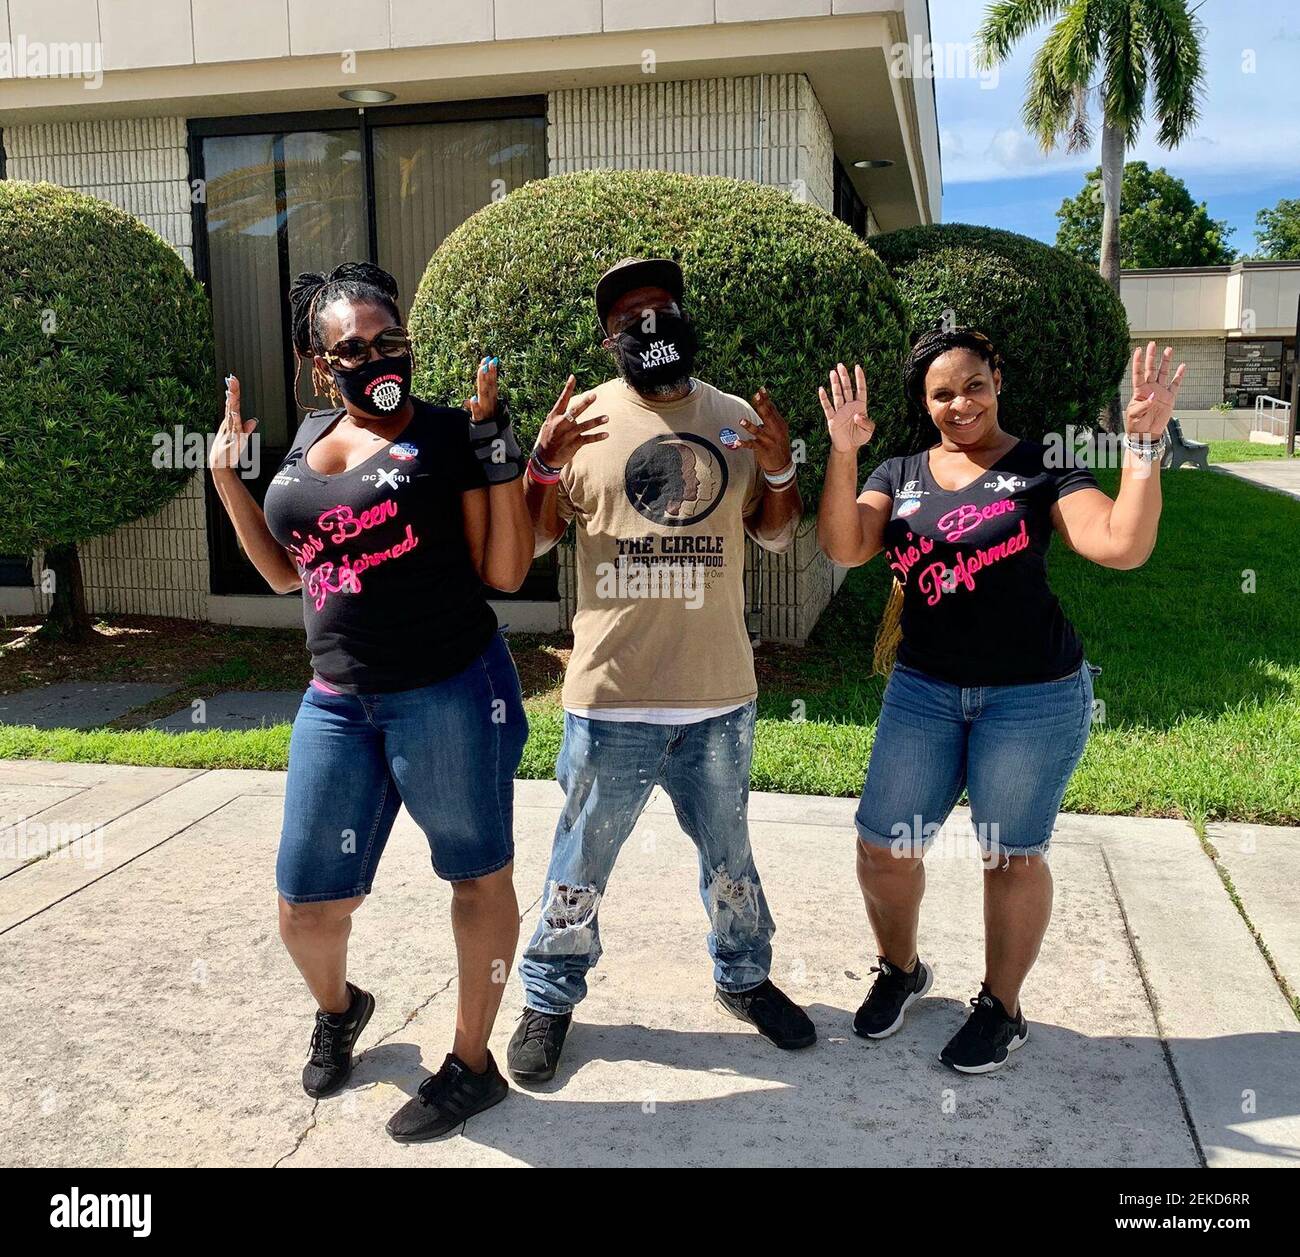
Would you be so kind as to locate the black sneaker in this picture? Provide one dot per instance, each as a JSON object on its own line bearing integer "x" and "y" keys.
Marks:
{"x": 774, "y": 1014}
{"x": 987, "y": 1039}
{"x": 446, "y": 1099}
{"x": 891, "y": 995}
{"x": 535, "y": 1046}
{"x": 330, "y": 1062}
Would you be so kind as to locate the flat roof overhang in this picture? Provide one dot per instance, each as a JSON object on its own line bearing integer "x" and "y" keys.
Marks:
{"x": 872, "y": 113}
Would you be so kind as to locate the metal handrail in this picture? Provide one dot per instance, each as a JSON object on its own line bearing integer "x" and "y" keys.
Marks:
{"x": 1277, "y": 418}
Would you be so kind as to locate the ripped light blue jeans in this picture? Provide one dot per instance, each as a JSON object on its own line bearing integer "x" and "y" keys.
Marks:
{"x": 608, "y": 770}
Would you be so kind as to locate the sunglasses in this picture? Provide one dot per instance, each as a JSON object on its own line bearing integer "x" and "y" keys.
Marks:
{"x": 354, "y": 351}
{"x": 627, "y": 320}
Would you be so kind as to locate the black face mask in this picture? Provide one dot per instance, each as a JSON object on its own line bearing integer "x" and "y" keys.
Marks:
{"x": 380, "y": 388}
{"x": 658, "y": 361}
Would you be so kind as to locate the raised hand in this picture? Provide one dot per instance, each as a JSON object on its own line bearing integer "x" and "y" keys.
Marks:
{"x": 771, "y": 443}
{"x": 845, "y": 408}
{"x": 482, "y": 404}
{"x": 562, "y": 435}
{"x": 1155, "y": 392}
{"x": 228, "y": 444}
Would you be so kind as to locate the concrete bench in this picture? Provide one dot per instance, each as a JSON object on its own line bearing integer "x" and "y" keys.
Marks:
{"x": 1182, "y": 452}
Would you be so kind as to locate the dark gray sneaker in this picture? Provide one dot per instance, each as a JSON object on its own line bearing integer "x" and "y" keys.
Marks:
{"x": 988, "y": 1038}
{"x": 534, "y": 1051}
{"x": 446, "y": 1099}
{"x": 772, "y": 1013}
{"x": 891, "y": 995}
{"x": 329, "y": 1064}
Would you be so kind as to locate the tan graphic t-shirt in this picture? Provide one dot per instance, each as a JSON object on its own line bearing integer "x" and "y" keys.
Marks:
{"x": 658, "y": 507}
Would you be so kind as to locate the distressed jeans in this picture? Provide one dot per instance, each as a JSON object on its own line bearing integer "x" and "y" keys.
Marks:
{"x": 608, "y": 770}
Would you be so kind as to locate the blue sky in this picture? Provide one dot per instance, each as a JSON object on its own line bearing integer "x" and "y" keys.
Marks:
{"x": 1244, "y": 154}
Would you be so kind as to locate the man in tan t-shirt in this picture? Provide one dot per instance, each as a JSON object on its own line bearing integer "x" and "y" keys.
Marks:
{"x": 662, "y": 483}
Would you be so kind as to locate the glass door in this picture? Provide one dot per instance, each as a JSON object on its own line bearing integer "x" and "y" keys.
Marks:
{"x": 277, "y": 203}
{"x": 293, "y": 193}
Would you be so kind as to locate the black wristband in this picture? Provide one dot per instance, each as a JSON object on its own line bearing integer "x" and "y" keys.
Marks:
{"x": 497, "y": 448}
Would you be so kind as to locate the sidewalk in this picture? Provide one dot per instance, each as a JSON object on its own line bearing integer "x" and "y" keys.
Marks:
{"x": 153, "y": 1017}
{"x": 1282, "y": 475}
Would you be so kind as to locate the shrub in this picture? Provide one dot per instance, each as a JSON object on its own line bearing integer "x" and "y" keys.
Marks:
{"x": 779, "y": 292}
{"x": 107, "y": 341}
{"x": 1062, "y": 332}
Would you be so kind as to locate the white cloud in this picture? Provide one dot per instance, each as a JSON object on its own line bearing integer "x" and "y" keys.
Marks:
{"x": 1013, "y": 150}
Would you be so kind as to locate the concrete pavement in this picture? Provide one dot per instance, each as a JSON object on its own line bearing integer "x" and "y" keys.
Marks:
{"x": 1281, "y": 475}
{"x": 152, "y": 1016}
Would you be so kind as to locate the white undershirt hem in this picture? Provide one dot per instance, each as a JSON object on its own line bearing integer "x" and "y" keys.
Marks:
{"x": 654, "y": 715}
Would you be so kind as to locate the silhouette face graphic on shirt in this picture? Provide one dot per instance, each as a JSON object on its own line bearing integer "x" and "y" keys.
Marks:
{"x": 676, "y": 479}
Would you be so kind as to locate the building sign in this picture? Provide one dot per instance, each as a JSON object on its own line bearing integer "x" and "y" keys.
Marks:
{"x": 1251, "y": 368}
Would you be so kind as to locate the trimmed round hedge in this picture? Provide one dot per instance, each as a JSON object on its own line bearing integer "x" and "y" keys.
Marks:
{"x": 779, "y": 291}
{"x": 1062, "y": 333}
{"x": 107, "y": 341}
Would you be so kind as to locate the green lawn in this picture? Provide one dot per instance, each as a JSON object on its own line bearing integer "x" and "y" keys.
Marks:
{"x": 1200, "y": 651}
{"x": 1243, "y": 451}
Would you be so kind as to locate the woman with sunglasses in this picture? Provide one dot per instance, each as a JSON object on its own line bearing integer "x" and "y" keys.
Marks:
{"x": 391, "y": 514}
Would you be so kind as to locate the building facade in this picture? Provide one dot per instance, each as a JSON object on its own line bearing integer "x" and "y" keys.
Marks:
{"x": 1234, "y": 326}
{"x": 262, "y": 139}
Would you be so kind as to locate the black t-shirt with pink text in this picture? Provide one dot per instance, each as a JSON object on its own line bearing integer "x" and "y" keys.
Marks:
{"x": 391, "y": 599}
{"x": 977, "y": 608}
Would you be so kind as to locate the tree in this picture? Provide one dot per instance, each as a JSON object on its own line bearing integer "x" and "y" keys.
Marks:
{"x": 1159, "y": 223}
{"x": 107, "y": 351}
{"x": 1278, "y": 232}
{"x": 1107, "y": 52}
{"x": 1062, "y": 333}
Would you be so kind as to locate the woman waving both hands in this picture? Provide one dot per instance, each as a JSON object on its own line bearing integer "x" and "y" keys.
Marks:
{"x": 990, "y": 691}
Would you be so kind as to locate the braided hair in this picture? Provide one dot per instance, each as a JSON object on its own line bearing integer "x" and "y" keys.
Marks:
{"x": 312, "y": 293}
{"x": 930, "y": 345}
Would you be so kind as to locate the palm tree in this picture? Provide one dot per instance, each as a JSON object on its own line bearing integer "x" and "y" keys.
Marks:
{"x": 1110, "y": 51}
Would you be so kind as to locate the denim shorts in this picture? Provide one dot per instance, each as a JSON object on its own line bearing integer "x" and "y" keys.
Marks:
{"x": 1012, "y": 747}
{"x": 449, "y": 751}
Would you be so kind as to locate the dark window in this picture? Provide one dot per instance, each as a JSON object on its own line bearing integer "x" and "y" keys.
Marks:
{"x": 15, "y": 570}
{"x": 849, "y": 207}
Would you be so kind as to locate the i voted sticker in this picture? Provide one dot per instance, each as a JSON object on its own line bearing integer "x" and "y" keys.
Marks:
{"x": 402, "y": 452}
{"x": 729, "y": 437}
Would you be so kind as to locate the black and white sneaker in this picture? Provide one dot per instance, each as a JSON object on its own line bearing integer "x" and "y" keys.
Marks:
{"x": 533, "y": 1054}
{"x": 446, "y": 1099}
{"x": 772, "y": 1013}
{"x": 329, "y": 1063}
{"x": 891, "y": 995}
{"x": 988, "y": 1038}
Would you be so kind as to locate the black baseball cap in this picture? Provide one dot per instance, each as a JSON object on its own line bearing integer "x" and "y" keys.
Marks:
{"x": 633, "y": 273}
